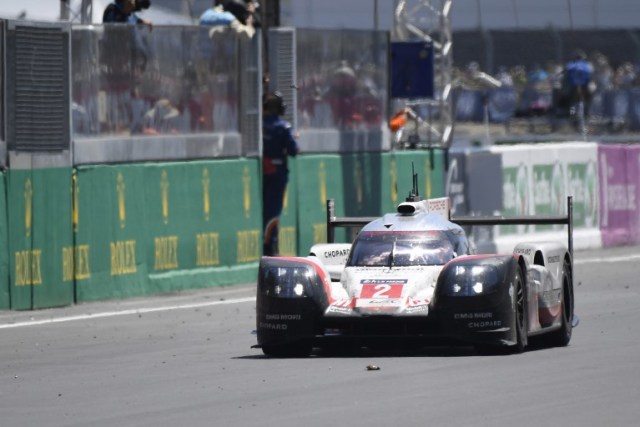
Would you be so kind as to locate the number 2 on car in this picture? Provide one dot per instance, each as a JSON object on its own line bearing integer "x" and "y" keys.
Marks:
{"x": 381, "y": 290}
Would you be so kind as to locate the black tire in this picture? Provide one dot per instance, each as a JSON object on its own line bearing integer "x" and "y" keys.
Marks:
{"x": 520, "y": 296}
{"x": 291, "y": 350}
{"x": 520, "y": 317}
{"x": 562, "y": 336}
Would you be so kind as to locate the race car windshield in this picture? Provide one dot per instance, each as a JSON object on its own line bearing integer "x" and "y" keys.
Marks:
{"x": 386, "y": 249}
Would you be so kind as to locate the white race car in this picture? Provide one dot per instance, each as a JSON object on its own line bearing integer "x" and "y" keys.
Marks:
{"x": 412, "y": 276}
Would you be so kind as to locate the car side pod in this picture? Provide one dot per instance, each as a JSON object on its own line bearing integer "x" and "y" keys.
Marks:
{"x": 481, "y": 300}
{"x": 290, "y": 297}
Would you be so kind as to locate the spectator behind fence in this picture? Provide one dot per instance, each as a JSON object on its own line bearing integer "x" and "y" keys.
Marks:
{"x": 235, "y": 14}
{"x": 162, "y": 118}
{"x": 578, "y": 76}
{"x": 278, "y": 144}
{"x": 123, "y": 11}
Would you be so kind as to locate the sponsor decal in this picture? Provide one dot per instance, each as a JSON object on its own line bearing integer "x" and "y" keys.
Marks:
{"x": 283, "y": 317}
{"x": 122, "y": 207}
{"x": 485, "y": 324}
{"x": 123, "y": 257}
{"x": 583, "y": 185}
{"x": 28, "y": 207}
{"x": 206, "y": 199}
{"x": 554, "y": 259}
{"x": 28, "y": 267}
{"x": 273, "y": 326}
{"x": 417, "y": 309}
{"x": 515, "y": 196}
{"x": 164, "y": 192}
{"x": 382, "y": 288}
{"x": 336, "y": 253}
{"x": 481, "y": 315}
{"x": 478, "y": 320}
{"x": 273, "y": 321}
{"x": 75, "y": 263}
{"x": 550, "y": 298}
{"x": 322, "y": 181}
{"x": 543, "y": 198}
{"x": 339, "y": 310}
{"x": 166, "y": 253}
{"x": 389, "y": 302}
{"x": 440, "y": 206}
{"x": 246, "y": 187}
{"x": 523, "y": 251}
{"x": 591, "y": 195}
{"x": 522, "y": 195}
{"x": 558, "y": 198}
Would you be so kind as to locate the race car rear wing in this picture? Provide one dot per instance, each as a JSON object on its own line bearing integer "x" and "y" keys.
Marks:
{"x": 334, "y": 222}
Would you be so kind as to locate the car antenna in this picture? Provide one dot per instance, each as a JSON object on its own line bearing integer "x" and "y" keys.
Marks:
{"x": 414, "y": 195}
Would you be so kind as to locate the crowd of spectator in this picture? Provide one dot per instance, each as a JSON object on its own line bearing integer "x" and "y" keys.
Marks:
{"x": 606, "y": 76}
{"x": 605, "y": 93}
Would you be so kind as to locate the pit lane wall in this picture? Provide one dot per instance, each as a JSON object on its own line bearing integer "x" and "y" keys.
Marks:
{"x": 535, "y": 179}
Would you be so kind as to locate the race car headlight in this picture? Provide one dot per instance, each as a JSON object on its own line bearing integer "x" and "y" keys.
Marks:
{"x": 287, "y": 282}
{"x": 470, "y": 280}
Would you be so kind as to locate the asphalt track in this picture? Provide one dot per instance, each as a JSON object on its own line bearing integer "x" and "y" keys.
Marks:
{"x": 185, "y": 360}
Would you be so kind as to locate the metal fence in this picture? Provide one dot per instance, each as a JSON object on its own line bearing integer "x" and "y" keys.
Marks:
{"x": 342, "y": 79}
{"x": 132, "y": 80}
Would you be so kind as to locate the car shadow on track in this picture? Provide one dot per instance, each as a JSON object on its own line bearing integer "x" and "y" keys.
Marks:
{"x": 381, "y": 351}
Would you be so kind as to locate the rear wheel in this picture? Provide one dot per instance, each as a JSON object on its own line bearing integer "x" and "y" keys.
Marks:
{"x": 520, "y": 312}
{"x": 562, "y": 336}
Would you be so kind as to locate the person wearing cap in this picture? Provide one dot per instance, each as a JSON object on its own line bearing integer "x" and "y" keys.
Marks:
{"x": 235, "y": 14}
{"x": 278, "y": 144}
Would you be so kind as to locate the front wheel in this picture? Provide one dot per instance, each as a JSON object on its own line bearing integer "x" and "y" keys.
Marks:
{"x": 520, "y": 318}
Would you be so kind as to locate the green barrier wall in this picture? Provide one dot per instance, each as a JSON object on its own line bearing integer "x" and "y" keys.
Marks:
{"x": 164, "y": 227}
{"x": 110, "y": 232}
{"x": 205, "y": 218}
{"x": 40, "y": 237}
{"x": 5, "y": 301}
{"x": 319, "y": 177}
{"x": 363, "y": 177}
{"x": 362, "y": 184}
{"x": 288, "y": 230}
{"x": 117, "y": 231}
{"x": 429, "y": 165}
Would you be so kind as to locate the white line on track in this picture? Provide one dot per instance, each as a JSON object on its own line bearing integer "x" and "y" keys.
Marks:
{"x": 125, "y": 312}
{"x": 624, "y": 258}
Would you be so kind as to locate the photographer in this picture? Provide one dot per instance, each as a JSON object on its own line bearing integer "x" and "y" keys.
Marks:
{"x": 123, "y": 11}
{"x": 235, "y": 14}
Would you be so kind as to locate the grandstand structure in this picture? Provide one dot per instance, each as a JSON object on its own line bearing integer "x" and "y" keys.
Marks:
{"x": 430, "y": 21}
